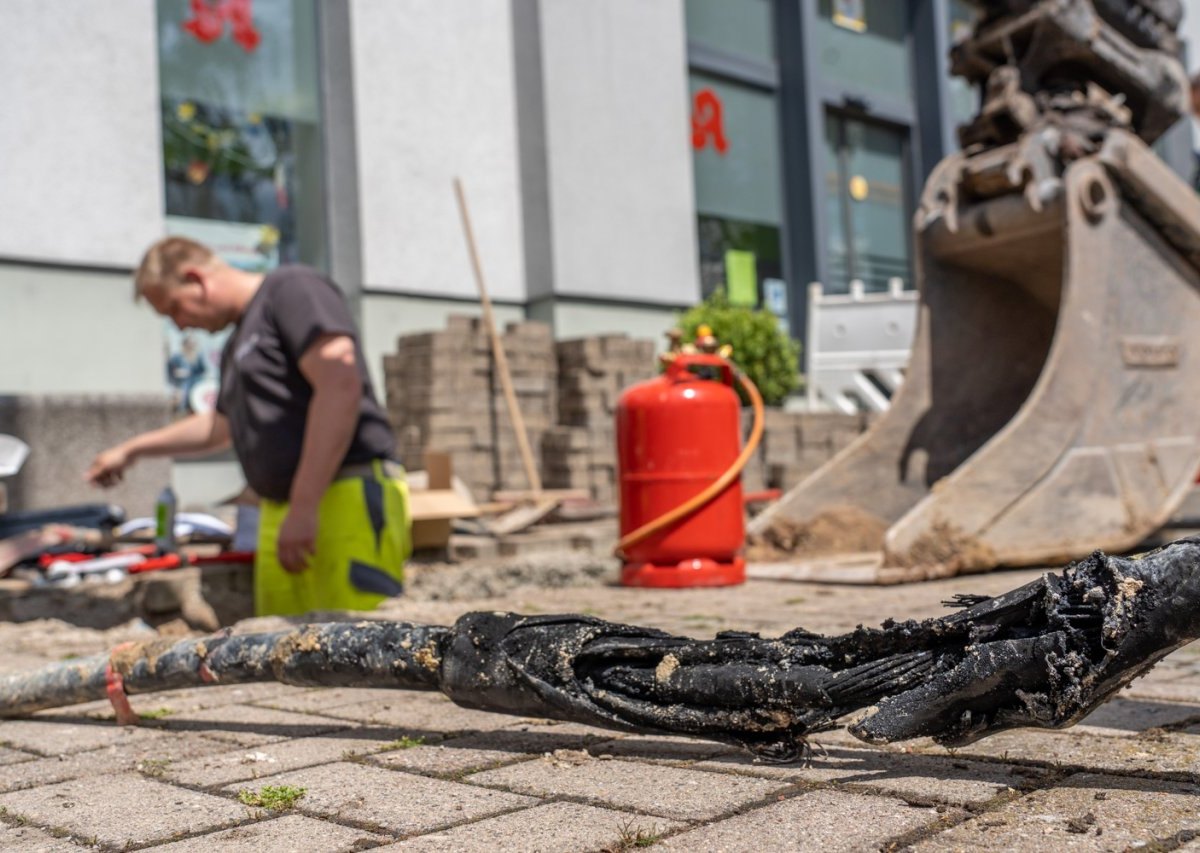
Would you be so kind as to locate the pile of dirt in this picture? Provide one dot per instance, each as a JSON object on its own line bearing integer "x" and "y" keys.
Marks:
{"x": 947, "y": 550}
{"x": 493, "y": 578}
{"x": 840, "y": 530}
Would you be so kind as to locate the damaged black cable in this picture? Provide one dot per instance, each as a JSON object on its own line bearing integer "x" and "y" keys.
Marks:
{"x": 1042, "y": 655}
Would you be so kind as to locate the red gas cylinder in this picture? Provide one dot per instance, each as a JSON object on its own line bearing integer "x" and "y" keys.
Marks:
{"x": 676, "y": 435}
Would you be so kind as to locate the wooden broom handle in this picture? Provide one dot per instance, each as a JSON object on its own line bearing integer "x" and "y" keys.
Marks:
{"x": 510, "y": 397}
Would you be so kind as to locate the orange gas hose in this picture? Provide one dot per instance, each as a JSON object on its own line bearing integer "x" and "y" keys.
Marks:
{"x": 717, "y": 486}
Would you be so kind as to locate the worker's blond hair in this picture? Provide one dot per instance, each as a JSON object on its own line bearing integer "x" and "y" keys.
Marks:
{"x": 161, "y": 266}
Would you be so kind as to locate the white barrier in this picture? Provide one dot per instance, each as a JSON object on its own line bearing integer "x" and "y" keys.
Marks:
{"x": 858, "y": 346}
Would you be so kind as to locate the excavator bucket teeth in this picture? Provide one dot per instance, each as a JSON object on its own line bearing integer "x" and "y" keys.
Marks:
{"x": 1048, "y": 407}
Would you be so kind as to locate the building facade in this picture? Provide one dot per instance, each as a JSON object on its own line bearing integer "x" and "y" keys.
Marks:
{"x": 621, "y": 159}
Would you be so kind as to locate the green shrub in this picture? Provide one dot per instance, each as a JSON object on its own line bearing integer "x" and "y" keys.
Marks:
{"x": 760, "y": 348}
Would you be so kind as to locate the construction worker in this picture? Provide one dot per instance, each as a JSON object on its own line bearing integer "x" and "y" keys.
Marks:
{"x": 297, "y": 405}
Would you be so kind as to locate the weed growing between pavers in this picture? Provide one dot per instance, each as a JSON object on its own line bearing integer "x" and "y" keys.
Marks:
{"x": 405, "y": 742}
{"x": 12, "y": 819}
{"x": 155, "y": 714}
{"x": 153, "y": 767}
{"x": 634, "y": 836}
{"x": 276, "y": 798}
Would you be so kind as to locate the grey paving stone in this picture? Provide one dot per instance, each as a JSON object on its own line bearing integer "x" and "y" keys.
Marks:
{"x": 1161, "y": 753}
{"x": 1178, "y": 683}
{"x": 14, "y": 756}
{"x": 1085, "y": 812}
{"x": 251, "y": 725}
{"x": 148, "y": 755}
{"x": 480, "y": 751}
{"x": 183, "y": 701}
{"x": 444, "y": 761}
{"x": 551, "y": 828}
{"x": 1125, "y": 717}
{"x": 269, "y": 759}
{"x": 820, "y": 821}
{"x": 318, "y": 700}
{"x": 558, "y": 728}
{"x": 122, "y": 810}
{"x": 657, "y": 789}
{"x": 31, "y": 839}
{"x": 99, "y": 710}
{"x": 289, "y": 834}
{"x": 662, "y": 748}
{"x": 63, "y": 735}
{"x": 843, "y": 738}
{"x": 402, "y": 803}
{"x": 917, "y": 778}
{"x": 152, "y": 753}
{"x": 199, "y": 698}
{"x": 427, "y": 714}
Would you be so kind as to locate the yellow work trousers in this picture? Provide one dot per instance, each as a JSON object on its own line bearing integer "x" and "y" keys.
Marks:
{"x": 363, "y": 538}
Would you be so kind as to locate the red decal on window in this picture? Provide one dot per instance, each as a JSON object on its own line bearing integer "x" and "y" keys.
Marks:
{"x": 708, "y": 122}
{"x": 207, "y": 23}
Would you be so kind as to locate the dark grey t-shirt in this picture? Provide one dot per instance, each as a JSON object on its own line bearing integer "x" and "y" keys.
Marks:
{"x": 266, "y": 397}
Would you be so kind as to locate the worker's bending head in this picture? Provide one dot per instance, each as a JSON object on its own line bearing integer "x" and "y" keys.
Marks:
{"x": 189, "y": 283}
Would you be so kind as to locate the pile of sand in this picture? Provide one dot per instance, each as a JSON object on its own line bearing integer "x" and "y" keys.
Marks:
{"x": 839, "y": 530}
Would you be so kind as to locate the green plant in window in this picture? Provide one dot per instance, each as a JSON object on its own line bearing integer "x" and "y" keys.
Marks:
{"x": 760, "y": 347}
{"x": 200, "y": 142}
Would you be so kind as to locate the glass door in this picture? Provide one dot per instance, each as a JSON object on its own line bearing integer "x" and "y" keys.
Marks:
{"x": 867, "y": 203}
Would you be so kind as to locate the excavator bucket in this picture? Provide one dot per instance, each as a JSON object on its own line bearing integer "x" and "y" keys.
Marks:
{"x": 1049, "y": 406}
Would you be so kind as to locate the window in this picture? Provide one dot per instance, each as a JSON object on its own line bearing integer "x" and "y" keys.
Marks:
{"x": 866, "y": 203}
{"x": 241, "y": 128}
{"x": 736, "y": 151}
{"x": 863, "y": 44}
{"x": 738, "y": 192}
{"x": 742, "y": 27}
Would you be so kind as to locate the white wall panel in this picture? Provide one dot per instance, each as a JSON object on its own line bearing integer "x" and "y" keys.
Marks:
{"x": 617, "y": 135}
{"x": 434, "y": 98}
{"x": 80, "y": 159}
{"x": 65, "y": 331}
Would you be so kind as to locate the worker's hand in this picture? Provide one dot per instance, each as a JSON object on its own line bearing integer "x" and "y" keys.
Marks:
{"x": 108, "y": 468}
{"x": 297, "y": 538}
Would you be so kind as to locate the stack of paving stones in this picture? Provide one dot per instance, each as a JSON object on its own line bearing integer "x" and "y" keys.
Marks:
{"x": 443, "y": 394}
{"x": 580, "y": 453}
{"x": 794, "y": 444}
{"x": 351, "y": 769}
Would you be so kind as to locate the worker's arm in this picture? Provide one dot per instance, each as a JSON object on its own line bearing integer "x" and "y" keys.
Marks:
{"x": 331, "y": 367}
{"x": 208, "y": 431}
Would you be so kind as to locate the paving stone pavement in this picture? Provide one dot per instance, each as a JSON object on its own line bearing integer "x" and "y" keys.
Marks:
{"x": 384, "y": 769}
